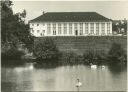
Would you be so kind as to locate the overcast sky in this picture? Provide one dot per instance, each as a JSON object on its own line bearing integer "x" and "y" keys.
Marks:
{"x": 109, "y": 9}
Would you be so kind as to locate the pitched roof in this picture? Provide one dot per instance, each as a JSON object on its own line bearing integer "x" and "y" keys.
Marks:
{"x": 70, "y": 17}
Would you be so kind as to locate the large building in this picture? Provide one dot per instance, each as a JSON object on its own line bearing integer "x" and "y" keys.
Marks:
{"x": 70, "y": 24}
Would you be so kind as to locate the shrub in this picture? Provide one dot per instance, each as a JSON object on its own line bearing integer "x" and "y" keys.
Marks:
{"x": 117, "y": 54}
{"x": 68, "y": 58}
{"x": 46, "y": 50}
{"x": 12, "y": 54}
{"x": 92, "y": 56}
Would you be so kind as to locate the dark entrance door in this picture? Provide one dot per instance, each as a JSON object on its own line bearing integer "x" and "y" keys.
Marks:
{"x": 76, "y": 32}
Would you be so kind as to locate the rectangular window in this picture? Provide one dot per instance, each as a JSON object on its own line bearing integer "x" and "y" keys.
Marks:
{"x": 65, "y": 28}
{"x": 75, "y": 26}
{"x": 54, "y": 32}
{"x": 32, "y": 31}
{"x": 103, "y": 28}
{"x": 38, "y": 31}
{"x": 54, "y": 28}
{"x": 70, "y": 28}
{"x": 59, "y": 28}
{"x": 86, "y": 28}
{"x": 32, "y": 24}
{"x": 54, "y": 25}
{"x": 48, "y": 28}
{"x": 43, "y": 32}
{"x": 37, "y": 24}
{"x": 108, "y": 28}
{"x": 92, "y": 28}
{"x": 81, "y": 24}
{"x": 81, "y": 28}
{"x": 97, "y": 28}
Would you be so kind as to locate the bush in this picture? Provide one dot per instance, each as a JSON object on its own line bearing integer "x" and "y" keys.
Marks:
{"x": 117, "y": 54}
{"x": 46, "y": 50}
{"x": 95, "y": 57}
{"x": 12, "y": 54}
{"x": 69, "y": 58}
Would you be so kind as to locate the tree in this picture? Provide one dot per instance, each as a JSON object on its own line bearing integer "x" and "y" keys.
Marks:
{"x": 6, "y": 18}
{"x": 13, "y": 28}
{"x": 14, "y": 31}
{"x": 116, "y": 54}
{"x": 12, "y": 54}
{"x": 119, "y": 25}
{"x": 46, "y": 50}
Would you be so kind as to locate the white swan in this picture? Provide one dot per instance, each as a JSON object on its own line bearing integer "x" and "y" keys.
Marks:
{"x": 103, "y": 67}
{"x": 30, "y": 67}
{"x": 93, "y": 66}
{"x": 78, "y": 83}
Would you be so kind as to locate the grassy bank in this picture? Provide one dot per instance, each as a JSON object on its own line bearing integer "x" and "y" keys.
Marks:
{"x": 85, "y": 50}
{"x": 82, "y": 44}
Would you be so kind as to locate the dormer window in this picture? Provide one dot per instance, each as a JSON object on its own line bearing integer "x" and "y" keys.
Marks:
{"x": 37, "y": 24}
{"x": 32, "y": 24}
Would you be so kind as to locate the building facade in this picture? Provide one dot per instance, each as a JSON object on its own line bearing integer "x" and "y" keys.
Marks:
{"x": 70, "y": 24}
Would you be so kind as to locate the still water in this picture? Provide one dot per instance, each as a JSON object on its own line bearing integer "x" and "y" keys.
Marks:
{"x": 63, "y": 78}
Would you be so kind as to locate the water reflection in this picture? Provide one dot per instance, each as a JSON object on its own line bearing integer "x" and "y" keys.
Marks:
{"x": 117, "y": 68}
{"x": 31, "y": 77}
{"x": 46, "y": 65}
{"x": 26, "y": 67}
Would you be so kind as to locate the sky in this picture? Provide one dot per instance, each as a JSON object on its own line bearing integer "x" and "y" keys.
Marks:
{"x": 111, "y": 9}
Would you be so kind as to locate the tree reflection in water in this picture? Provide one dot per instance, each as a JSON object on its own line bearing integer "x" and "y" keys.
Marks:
{"x": 46, "y": 65}
{"x": 117, "y": 68}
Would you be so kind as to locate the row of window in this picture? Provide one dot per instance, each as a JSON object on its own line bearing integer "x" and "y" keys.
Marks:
{"x": 59, "y": 32}
{"x": 71, "y": 30}
{"x": 81, "y": 28}
{"x": 70, "y": 24}
{"x": 76, "y": 28}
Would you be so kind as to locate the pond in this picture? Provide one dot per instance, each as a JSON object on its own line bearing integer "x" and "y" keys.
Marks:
{"x": 63, "y": 78}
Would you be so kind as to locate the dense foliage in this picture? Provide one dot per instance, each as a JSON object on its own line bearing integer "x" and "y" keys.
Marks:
{"x": 88, "y": 49}
{"x": 95, "y": 57}
{"x": 46, "y": 50}
{"x": 119, "y": 25}
{"x": 13, "y": 28}
{"x": 14, "y": 31}
{"x": 117, "y": 54}
{"x": 69, "y": 58}
{"x": 12, "y": 54}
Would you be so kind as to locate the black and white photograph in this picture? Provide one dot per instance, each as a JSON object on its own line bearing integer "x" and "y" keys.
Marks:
{"x": 62, "y": 45}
